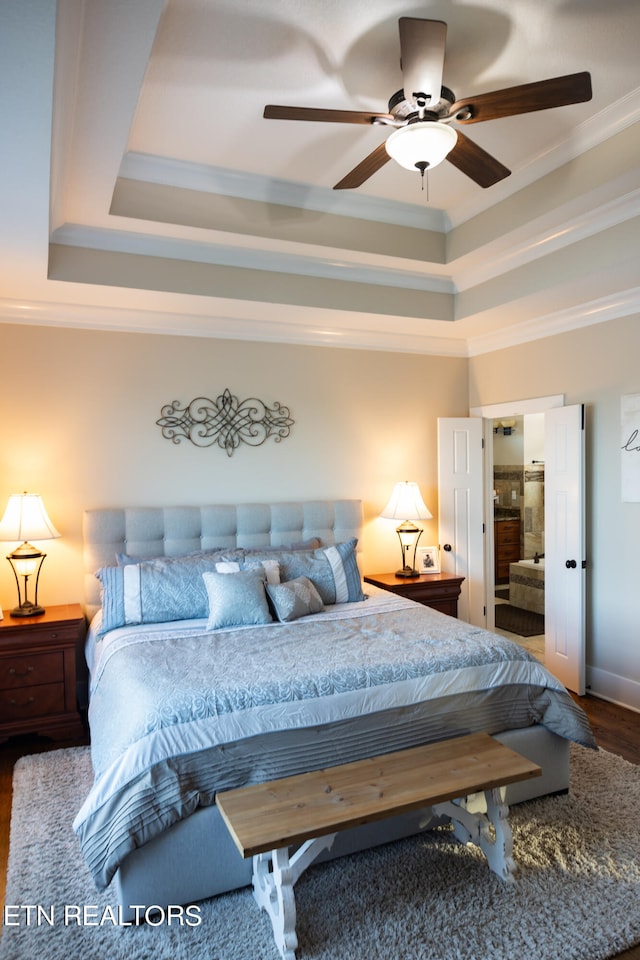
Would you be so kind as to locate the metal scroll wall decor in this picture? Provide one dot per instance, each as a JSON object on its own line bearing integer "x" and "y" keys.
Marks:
{"x": 225, "y": 421}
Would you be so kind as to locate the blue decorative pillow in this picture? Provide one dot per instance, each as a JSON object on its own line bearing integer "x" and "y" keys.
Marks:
{"x": 236, "y": 599}
{"x": 270, "y": 566}
{"x": 155, "y": 591}
{"x": 297, "y": 598}
{"x": 311, "y": 544}
{"x": 344, "y": 566}
{"x": 215, "y": 553}
{"x": 332, "y": 570}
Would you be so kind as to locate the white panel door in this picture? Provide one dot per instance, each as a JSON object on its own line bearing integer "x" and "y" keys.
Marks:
{"x": 565, "y": 560}
{"x": 461, "y": 511}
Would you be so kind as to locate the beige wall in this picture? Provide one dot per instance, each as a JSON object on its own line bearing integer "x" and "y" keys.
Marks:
{"x": 78, "y": 412}
{"x": 594, "y": 366}
{"x": 77, "y": 423}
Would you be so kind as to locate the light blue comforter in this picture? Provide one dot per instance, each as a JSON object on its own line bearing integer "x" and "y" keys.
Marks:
{"x": 177, "y": 712}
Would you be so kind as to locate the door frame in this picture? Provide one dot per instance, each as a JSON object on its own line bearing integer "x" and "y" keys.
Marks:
{"x": 497, "y": 411}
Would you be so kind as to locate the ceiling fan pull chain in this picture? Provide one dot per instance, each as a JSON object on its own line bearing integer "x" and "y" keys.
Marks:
{"x": 422, "y": 165}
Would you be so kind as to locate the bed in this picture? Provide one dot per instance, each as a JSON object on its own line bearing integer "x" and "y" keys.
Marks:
{"x": 235, "y": 644}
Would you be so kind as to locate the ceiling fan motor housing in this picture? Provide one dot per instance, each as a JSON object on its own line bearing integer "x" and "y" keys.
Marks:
{"x": 403, "y": 109}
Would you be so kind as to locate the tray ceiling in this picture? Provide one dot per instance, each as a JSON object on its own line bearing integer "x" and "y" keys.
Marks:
{"x": 146, "y": 191}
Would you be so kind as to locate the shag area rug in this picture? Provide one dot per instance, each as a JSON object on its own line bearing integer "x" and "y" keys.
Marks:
{"x": 577, "y": 894}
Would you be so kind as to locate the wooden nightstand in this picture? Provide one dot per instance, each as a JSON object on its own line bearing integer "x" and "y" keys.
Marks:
{"x": 38, "y": 673}
{"x": 437, "y": 590}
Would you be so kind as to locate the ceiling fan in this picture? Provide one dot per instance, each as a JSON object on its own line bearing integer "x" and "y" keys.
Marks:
{"x": 423, "y": 110}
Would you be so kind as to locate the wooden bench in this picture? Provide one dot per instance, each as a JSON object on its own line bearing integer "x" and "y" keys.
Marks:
{"x": 309, "y": 809}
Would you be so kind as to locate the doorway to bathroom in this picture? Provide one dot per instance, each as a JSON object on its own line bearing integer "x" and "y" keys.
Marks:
{"x": 466, "y": 528}
{"x": 518, "y": 522}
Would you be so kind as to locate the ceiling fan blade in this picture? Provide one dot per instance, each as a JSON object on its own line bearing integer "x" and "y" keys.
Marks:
{"x": 527, "y": 98}
{"x": 272, "y": 112}
{"x": 365, "y": 169}
{"x": 471, "y": 159}
{"x": 422, "y": 44}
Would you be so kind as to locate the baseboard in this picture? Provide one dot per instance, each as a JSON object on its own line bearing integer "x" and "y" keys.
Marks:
{"x": 615, "y": 689}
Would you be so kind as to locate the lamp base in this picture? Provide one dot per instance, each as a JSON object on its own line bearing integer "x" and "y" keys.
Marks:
{"x": 407, "y": 572}
{"x": 27, "y": 609}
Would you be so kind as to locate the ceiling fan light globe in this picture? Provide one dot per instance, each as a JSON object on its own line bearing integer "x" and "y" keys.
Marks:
{"x": 426, "y": 141}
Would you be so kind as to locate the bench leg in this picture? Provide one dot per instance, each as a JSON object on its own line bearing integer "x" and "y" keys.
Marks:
{"x": 274, "y": 876}
{"x": 490, "y": 831}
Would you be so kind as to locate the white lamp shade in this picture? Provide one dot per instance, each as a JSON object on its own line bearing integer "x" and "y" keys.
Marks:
{"x": 406, "y": 503}
{"x": 26, "y": 519}
{"x": 426, "y": 141}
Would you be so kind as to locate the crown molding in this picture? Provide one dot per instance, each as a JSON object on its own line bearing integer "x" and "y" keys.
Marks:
{"x": 594, "y": 131}
{"x": 586, "y": 314}
{"x": 590, "y": 214}
{"x": 251, "y": 186}
{"x": 317, "y": 332}
{"x": 329, "y": 267}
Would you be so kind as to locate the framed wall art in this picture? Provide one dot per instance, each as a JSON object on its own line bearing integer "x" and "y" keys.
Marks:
{"x": 630, "y": 448}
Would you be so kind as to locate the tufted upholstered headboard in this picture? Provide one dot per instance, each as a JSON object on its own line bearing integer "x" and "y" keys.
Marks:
{"x": 170, "y": 531}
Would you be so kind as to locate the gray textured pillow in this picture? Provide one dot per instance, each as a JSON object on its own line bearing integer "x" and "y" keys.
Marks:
{"x": 294, "y": 599}
{"x": 236, "y": 599}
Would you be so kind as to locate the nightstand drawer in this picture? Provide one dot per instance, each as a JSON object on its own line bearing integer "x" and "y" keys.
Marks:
{"x": 38, "y": 701}
{"x": 61, "y": 633}
{"x": 26, "y": 671}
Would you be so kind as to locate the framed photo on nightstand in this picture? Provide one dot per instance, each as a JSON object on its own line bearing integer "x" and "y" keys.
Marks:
{"x": 427, "y": 560}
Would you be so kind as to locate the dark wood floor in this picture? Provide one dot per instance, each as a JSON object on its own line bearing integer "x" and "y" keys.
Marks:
{"x": 616, "y": 729}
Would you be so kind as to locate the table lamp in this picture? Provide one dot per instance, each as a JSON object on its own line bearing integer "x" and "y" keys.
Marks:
{"x": 26, "y": 519}
{"x": 406, "y": 504}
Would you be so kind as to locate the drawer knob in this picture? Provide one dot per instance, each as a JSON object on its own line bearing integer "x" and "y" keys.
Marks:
{"x": 14, "y": 703}
{"x": 20, "y": 673}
